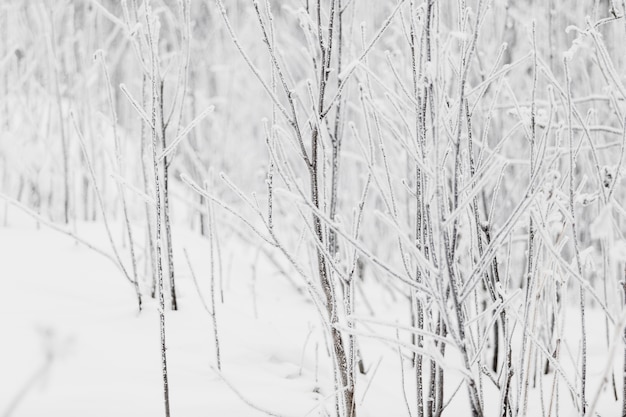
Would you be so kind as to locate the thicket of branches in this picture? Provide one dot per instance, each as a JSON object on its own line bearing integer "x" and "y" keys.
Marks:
{"x": 465, "y": 156}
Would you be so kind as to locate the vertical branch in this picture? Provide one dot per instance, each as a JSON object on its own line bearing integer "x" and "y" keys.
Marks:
{"x": 213, "y": 252}
{"x": 572, "y": 168}
{"x": 337, "y": 133}
{"x": 624, "y": 377}
{"x": 270, "y": 134}
{"x": 145, "y": 177}
{"x": 157, "y": 187}
{"x": 166, "y": 200}
{"x": 420, "y": 132}
{"x": 530, "y": 266}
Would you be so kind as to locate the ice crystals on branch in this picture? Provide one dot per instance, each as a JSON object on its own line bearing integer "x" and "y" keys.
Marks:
{"x": 304, "y": 19}
{"x": 579, "y": 43}
{"x": 463, "y": 36}
{"x": 549, "y": 189}
{"x": 348, "y": 69}
{"x": 585, "y": 199}
{"x": 185, "y": 131}
{"x": 608, "y": 176}
{"x": 430, "y": 73}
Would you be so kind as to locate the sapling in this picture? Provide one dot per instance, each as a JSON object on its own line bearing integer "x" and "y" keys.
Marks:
{"x": 165, "y": 162}
{"x": 311, "y": 159}
{"x": 153, "y": 54}
{"x": 145, "y": 178}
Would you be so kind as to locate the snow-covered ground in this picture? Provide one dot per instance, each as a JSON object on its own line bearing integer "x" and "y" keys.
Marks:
{"x": 73, "y": 343}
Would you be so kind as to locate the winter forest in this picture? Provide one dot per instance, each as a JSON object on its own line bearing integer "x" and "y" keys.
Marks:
{"x": 304, "y": 208}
